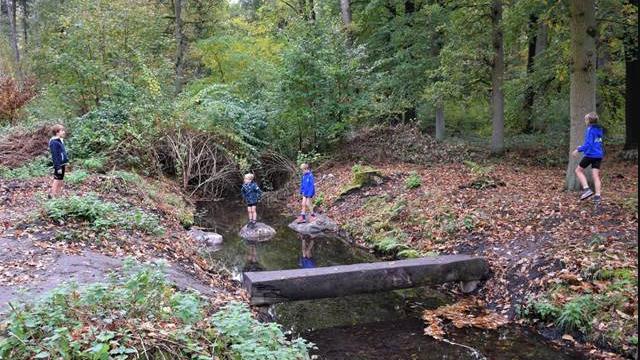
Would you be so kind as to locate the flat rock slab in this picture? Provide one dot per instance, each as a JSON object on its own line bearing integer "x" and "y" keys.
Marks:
{"x": 208, "y": 238}
{"x": 313, "y": 227}
{"x": 268, "y": 287}
{"x": 259, "y": 232}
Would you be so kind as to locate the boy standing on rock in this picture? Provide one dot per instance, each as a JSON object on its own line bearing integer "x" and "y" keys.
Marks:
{"x": 307, "y": 190}
{"x": 251, "y": 194}
{"x": 59, "y": 158}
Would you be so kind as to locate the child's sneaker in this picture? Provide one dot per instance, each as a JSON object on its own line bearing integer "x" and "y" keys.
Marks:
{"x": 252, "y": 224}
{"x": 597, "y": 200}
{"x": 586, "y": 194}
{"x": 301, "y": 220}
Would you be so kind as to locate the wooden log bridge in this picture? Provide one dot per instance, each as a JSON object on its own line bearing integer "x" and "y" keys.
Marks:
{"x": 268, "y": 287}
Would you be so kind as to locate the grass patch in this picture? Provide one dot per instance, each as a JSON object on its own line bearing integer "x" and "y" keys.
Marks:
{"x": 413, "y": 181}
{"x": 36, "y": 168}
{"x": 139, "y": 314}
{"x": 96, "y": 164}
{"x": 101, "y": 215}
{"x": 77, "y": 176}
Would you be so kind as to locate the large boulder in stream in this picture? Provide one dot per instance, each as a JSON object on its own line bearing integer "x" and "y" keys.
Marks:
{"x": 319, "y": 225}
{"x": 258, "y": 232}
{"x": 208, "y": 238}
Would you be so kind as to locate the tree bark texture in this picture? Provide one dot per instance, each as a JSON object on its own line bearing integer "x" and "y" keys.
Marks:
{"x": 440, "y": 130}
{"x": 25, "y": 23}
{"x": 631, "y": 87}
{"x": 13, "y": 33}
{"x": 180, "y": 46}
{"x": 582, "y": 93}
{"x": 497, "y": 77}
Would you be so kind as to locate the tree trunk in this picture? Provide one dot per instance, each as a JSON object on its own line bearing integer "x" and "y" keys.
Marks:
{"x": 180, "y": 46}
{"x": 25, "y": 23}
{"x": 530, "y": 91}
{"x": 631, "y": 103}
{"x": 582, "y": 93}
{"x": 345, "y": 11}
{"x": 13, "y": 33}
{"x": 631, "y": 88}
{"x": 440, "y": 121}
{"x": 497, "y": 75}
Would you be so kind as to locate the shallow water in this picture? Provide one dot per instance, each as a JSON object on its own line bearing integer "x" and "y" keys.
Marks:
{"x": 367, "y": 326}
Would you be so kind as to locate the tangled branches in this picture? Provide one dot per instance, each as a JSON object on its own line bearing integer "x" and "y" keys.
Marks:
{"x": 19, "y": 147}
{"x": 199, "y": 160}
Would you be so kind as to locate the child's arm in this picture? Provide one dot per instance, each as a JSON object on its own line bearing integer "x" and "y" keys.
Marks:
{"x": 588, "y": 141}
{"x": 258, "y": 192}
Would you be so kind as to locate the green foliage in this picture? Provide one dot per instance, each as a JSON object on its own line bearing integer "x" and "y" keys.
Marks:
{"x": 94, "y": 163}
{"x": 413, "y": 181}
{"x": 77, "y": 176}
{"x": 309, "y": 158}
{"x": 409, "y": 254}
{"x": 318, "y": 201}
{"x": 101, "y": 215}
{"x": 251, "y": 339}
{"x": 140, "y": 301}
{"x": 577, "y": 314}
{"x": 36, "y": 168}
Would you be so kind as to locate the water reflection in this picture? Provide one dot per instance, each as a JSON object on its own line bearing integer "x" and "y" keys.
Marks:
{"x": 306, "y": 243}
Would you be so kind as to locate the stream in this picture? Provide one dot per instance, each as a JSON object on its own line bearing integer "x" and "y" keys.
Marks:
{"x": 369, "y": 326}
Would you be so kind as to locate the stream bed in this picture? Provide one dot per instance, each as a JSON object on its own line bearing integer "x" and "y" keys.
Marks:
{"x": 368, "y": 326}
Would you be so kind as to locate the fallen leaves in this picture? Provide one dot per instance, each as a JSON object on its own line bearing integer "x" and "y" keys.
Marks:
{"x": 468, "y": 312}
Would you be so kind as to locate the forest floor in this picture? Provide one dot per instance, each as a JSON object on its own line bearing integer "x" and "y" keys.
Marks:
{"x": 566, "y": 267}
{"x": 39, "y": 253}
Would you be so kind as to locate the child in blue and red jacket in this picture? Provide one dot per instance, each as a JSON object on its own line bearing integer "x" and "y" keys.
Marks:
{"x": 307, "y": 190}
{"x": 593, "y": 150}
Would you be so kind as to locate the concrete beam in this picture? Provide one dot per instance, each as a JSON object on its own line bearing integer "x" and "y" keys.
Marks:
{"x": 268, "y": 287}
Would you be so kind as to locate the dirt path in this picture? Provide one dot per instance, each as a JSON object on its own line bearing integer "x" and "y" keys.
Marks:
{"x": 37, "y": 255}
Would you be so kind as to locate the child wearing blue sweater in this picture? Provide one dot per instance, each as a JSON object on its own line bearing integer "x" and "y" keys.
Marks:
{"x": 307, "y": 190}
{"x": 593, "y": 154}
{"x": 59, "y": 158}
{"x": 251, "y": 194}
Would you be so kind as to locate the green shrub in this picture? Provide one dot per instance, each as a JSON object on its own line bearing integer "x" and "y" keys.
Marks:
{"x": 77, "y": 176}
{"x": 413, "y": 181}
{"x": 318, "y": 201}
{"x": 101, "y": 215}
{"x": 124, "y": 317}
{"x": 127, "y": 176}
{"x": 577, "y": 314}
{"x": 409, "y": 254}
{"x": 94, "y": 163}
{"x": 36, "y": 168}
{"x": 250, "y": 339}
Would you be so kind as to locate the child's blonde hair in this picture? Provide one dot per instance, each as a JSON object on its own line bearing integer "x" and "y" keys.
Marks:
{"x": 591, "y": 117}
{"x": 55, "y": 129}
{"x": 304, "y": 166}
{"x": 248, "y": 176}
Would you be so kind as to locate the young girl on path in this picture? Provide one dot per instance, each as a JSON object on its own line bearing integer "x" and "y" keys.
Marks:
{"x": 251, "y": 194}
{"x": 307, "y": 190}
{"x": 593, "y": 153}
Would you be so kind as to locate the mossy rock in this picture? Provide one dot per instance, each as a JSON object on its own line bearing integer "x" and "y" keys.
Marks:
{"x": 362, "y": 177}
{"x": 367, "y": 176}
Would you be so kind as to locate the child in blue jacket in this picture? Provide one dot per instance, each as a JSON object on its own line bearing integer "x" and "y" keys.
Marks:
{"x": 251, "y": 194}
{"x": 59, "y": 158}
{"x": 593, "y": 150}
{"x": 307, "y": 190}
